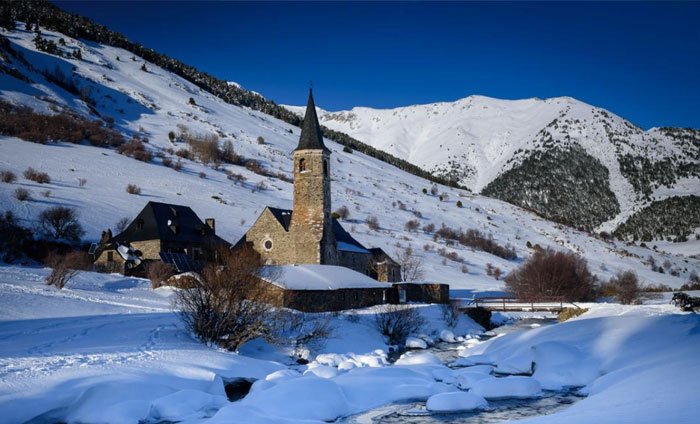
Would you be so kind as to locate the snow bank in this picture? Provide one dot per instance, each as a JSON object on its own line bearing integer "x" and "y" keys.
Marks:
{"x": 456, "y": 402}
{"x": 412, "y": 358}
{"x": 416, "y": 343}
{"x": 299, "y": 398}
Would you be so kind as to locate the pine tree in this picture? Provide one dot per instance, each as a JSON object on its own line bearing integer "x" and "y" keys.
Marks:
{"x": 143, "y": 68}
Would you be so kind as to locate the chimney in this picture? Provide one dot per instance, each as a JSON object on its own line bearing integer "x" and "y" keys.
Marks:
{"x": 211, "y": 224}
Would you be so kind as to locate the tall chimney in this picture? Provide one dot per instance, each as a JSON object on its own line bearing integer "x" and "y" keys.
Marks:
{"x": 211, "y": 224}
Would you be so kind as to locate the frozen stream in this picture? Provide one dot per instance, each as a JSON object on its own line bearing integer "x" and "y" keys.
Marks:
{"x": 499, "y": 410}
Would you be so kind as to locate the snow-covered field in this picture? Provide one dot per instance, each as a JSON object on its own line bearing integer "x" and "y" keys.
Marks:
{"x": 109, "y": 349}
{"x": 153, "y": 103}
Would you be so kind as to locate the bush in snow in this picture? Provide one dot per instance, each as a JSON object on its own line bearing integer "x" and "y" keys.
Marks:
{"x": 261, "y": 140}
{"x": 450, "y": 313}
{"x": 550, "y": 273}
{"x": 228, "y": 306}
{"x": 301, "y": 331}
{"x": 136, "y": 150}
{"x": 372, "y": 222}
{"x": 8, "y": 177}
{"x": 65, "y": 267}
{"x": 158, "y": 272}
{"x": 626, "y": 287}
{"x": 397, "y": 322}
{"x": 133, "y": 189}
{"x": 121, "y": 224}
{"x": 22, "y": 194}
{"x": 412, "y": 225}
{"x": 411, "y": 264}
{"x": 60, "y": 223}
{"x": 36, "y": 176}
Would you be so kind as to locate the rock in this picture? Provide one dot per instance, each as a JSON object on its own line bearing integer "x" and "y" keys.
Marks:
{"x": 456, "y": 402}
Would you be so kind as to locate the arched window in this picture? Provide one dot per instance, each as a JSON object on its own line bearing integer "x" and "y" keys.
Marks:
{"x": 325, "y": 168}
{"x": 302, "y": 165}
{"x": 267, "y": 244}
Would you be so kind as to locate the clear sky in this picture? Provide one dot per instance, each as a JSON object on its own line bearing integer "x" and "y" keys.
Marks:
{"x": 639, "y": 60}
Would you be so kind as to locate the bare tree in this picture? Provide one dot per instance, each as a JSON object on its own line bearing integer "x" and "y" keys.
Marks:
{"x": 229, "y": 305}
{"x": 60, "y": 223}
{"x": 450, "y": 313}
{"x": 301, "y": 330}
{"x": 550, "y": 273}
{"x": 397, "y": 322}
{"x": 411, "y": 264}
{"x": 122, "y": 224}
{"x": 627, "y": 287}
{"x": 343, "y": 212}
{"x": 65, "y": 267}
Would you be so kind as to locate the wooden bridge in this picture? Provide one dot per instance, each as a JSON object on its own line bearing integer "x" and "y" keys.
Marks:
{"x": 511, "y": 304}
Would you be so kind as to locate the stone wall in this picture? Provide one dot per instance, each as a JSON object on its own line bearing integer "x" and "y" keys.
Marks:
{"x": 150, "y": 249}
{"x": 115, "y": 265}
{"x": 354, "y": 260}
{"x": 267, "y": 227}
{"x": 421, "y": 292}
{"x": 333, "y": 300}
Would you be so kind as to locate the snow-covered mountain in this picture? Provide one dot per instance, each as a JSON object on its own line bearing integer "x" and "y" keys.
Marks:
{"x": 148, "y": 101}
{"x": 560, "y": 157}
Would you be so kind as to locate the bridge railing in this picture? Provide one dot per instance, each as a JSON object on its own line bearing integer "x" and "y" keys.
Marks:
{"x": 505, "y": 303}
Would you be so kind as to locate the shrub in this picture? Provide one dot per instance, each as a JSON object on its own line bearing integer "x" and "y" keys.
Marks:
{"x": 429, "y": 227}
{"x": 465, "y": 270}
{"x": 60, "y": 223}
{"x": 425, "y": 191}
{"x": 65, "y": 267}
{"x": 411, "y": 264}
{"x": 191, "y": 101}
{"x": 433, "y": 190}
{"x": 22, "y": 194}
{"x": 46, "y": 193}
{"x": 24, "y": 123}
{"x": 372, "y": 222}
{"x": 178, "y": 165}
{"x": 136, "y": 150}
{"x": 167, "y": 162}
{"x": 184, "y": 154}
{"x": 343, "y": 212}
{"x": 261, "y": 140}
{"x": 450, "y": 313}
{"x": 158, "y": 272}
{"x": 121, "y": 224}
{"x": 412, "y": 225}
{"x": 459, "y": 203}
{"x": 627, "y": 287}
{"x": 568, "y": 313}
{"x": 205, "y": 147}
{"x": 477, "y": 239}
{"x": 347, "y": 149}
{"x": 36, "y": 176}
{"x": 133, "y": 189}
{"x": 8, "y": 177}
{"x": 171, "y": 136}
{"x": 550, "y": 273}
{"x": 397, "y": 322}
{"x": 82, "y": 182}
{"x": 228, "y": 306}
{"x": 202, "y": 175}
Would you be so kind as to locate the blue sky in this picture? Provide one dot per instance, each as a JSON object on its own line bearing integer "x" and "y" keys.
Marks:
{"x": 639, "y": 60}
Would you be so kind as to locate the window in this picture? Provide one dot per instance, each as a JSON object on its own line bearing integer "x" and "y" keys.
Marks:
{"x": 325, "y": 168}
{"x": 267, "y": 244}
{"x": 110, "y": 256}
{"x": 139, "y": 224}
{"x": 302, "y": 165}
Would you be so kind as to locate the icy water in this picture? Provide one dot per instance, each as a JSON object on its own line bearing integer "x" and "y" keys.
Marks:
{"x": 499, "y": 410}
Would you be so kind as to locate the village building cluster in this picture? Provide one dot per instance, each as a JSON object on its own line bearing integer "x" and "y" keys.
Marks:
{"x": 321, "y": 266}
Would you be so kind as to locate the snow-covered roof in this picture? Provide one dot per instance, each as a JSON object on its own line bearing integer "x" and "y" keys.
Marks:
{"x": 320, "y": 277}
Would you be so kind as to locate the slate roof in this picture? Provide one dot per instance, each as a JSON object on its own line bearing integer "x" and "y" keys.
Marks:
{"x": 152, "y": 223}
{"x": 311, "y": 135}
{"x": 284, "y": 216}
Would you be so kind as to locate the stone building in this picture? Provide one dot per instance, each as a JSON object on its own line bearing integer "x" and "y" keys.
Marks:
{"x": 308, "y": 234}
{"x": 164, "y": 232}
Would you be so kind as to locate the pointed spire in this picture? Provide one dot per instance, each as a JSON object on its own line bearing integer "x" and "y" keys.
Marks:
{"x": 311, "y": 136}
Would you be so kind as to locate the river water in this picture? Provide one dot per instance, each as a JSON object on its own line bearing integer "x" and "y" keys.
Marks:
{"x": 499, "y": 410}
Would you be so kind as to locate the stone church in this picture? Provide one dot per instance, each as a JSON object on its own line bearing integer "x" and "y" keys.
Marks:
{"x": 308, "y": 234}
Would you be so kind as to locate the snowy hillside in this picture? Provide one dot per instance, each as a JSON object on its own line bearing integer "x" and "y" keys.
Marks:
{"x": 153, "y": 102}
{"x": 477, "y": 139}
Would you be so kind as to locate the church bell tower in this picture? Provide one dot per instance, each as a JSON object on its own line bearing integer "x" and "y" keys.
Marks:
{"x": 311, "y": 223}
